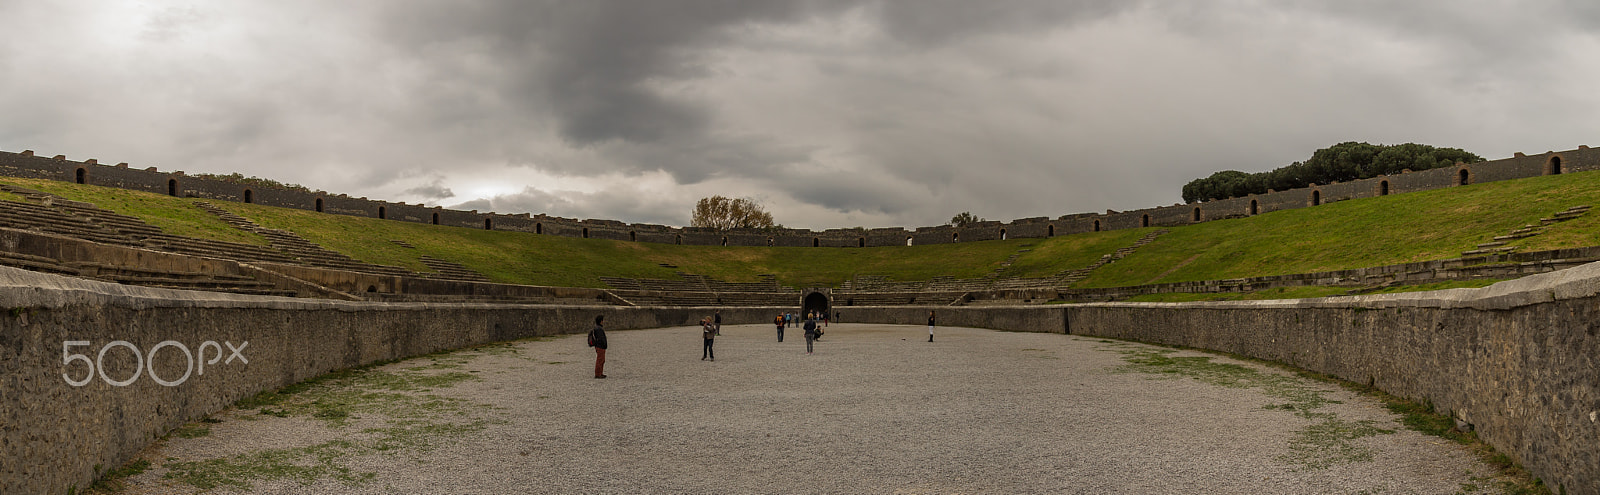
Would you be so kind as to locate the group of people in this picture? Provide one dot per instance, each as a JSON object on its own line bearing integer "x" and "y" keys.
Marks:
{"x": 711, "y": 327}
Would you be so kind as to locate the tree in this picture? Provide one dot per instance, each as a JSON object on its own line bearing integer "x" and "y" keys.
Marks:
{"x": 721, "y": 213}
{"x": 1338, "y": 163}
{"x": 964, "y": 219}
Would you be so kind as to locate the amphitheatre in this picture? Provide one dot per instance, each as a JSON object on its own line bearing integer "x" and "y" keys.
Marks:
{"x": 150, "y": 308}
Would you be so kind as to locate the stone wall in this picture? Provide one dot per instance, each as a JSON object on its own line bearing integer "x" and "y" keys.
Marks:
{"x": 55, "y": 436}
{"x": 26, "y": 164}
{"x": 1519, "y": 360}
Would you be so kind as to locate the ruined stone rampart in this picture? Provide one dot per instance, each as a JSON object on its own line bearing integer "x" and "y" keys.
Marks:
{"x": 176, "y": 183}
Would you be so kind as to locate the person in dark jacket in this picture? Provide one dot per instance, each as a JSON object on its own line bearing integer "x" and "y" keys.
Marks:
{"x": 597, "y": 339}
{"x": 811, "y": 334}
{"x": 717, "y": 320}
{"x": 779, "y": 322}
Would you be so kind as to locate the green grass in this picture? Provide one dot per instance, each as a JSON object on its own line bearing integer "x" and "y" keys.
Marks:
{"x": 1393, "y": 229}
{"x": 1399, "y": 228}
{"x": 176, "y": 216}
{"x": 519, "y": 257}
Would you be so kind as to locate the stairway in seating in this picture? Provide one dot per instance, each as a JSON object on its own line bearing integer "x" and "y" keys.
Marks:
{"x": 1069, "y": 277}
{"x": 150, "y": 236}
{"x": 1498, "y": 244}
{"x": 302, "y": 250}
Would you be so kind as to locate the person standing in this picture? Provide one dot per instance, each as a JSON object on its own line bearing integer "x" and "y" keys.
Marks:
{"x": 597, "y": 340}
{"x": 718, "y": 321}
{"x": 779, "y": 322}
{"x": 930, "y": 326}
{"x": 811, "y": 334}
{"x": 710, "y": 333}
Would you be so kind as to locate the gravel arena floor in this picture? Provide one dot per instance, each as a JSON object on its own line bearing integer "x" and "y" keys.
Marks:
{"x": 877, "y": 409}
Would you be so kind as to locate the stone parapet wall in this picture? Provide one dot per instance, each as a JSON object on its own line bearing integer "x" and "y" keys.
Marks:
{"x": 55, "y": 436}
{"x": 26, "y": 164}
{"x": 1520, "y": 360}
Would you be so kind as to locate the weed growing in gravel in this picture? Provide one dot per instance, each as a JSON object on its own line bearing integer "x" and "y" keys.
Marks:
{"x": 414, "y": 420}
{"x": 111, "y": 482}
{"x": 1511, "y": 478}
{"x": 304, "y": 464}
{"x": 1325, "y": 443}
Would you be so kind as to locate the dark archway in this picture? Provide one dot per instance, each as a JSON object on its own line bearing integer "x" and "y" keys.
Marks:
{"x": 249, "y": 196}
{"x": 1555, "y": 165}
{"x": 1383, "y": 188}
{"x": 82, "y": 176}
{"x": 1096, "y": 225}
{"x": 1051, "y": 230}
{"x": 1254, "y": 208}
{"x": 815, "y": 242}
{"x": 1316, "y": 198}
{"x": 1002, "y": 234}
{"x": 861, "y": 242}
{"x": 724, "y": 240}
{"x": 678, "y": 239}
{"x": 172, "y": 188}
{"x": 538, "y": 228}
{"x": 383, "y": 212}
{"x": 488, "y": 224}
{"x": 815, "y": 301}
{"x": 1144, "y": 221}
{"x": 633, "y": 236}
{"x": 319, "y": 209}
{"x": 436, "y": 219}
{"x": 1463, "y": 178}
{"x": 1196, "y": 213}
{"x": 956, "y": 237}
{"x": 585, "y": 232}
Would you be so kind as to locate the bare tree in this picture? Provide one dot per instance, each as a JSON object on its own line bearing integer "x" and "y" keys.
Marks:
{"x": 722, "y": 213}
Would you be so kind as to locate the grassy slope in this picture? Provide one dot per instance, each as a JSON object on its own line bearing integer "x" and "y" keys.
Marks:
{"x": 1392, "y": 229}
{"x": 1349, "y": 234}
{"x": 517, "y": 257}
{"x": 176, "y": 216}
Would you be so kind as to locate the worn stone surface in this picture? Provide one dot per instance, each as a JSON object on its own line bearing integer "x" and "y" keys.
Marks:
{"x": 1520, "y": 360}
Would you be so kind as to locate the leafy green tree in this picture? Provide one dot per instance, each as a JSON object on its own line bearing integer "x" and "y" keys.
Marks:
{"x": 964, "y": 219}
{"x": 1338, "y": 163}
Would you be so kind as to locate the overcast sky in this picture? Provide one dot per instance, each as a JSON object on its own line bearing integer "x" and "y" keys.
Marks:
{"x": 832, "y": 114}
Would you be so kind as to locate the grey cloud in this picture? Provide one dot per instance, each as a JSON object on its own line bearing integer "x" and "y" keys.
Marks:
{"x": 613, "y": 203}
{"x": 431, "y": 190}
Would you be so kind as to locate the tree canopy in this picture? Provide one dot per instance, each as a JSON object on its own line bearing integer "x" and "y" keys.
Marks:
{"x": 722, "y": 213}
{"x": 1338, "y": 163}
{"x": 964, "y": 219}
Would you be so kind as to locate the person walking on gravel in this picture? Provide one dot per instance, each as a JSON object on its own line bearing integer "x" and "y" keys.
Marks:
{"x": 718, "y": 321}
{"x": 597, "y": 340}
{"x": 930, "y": 326}
{"x": 708, "y": 331}
{"x": 811, "y": 334}
{"x": 779, "y": 322}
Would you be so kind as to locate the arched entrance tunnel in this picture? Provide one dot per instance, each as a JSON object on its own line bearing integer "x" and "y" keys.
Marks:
{"x": 815, "y": 301}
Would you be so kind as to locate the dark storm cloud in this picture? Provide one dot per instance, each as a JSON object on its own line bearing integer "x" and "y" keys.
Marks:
{"x": 890, "y": 112}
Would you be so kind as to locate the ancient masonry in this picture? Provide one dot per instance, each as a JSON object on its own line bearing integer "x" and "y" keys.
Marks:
{"x": 175, "y": 183}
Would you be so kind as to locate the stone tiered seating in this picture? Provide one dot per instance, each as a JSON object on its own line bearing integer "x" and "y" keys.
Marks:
{"x": 450, "y": 271}
{"x": 35, "y": 263}
{"x": 239, "y": 284}
{"x": 302, "y": 250}
{"x": 29, "y": 216}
